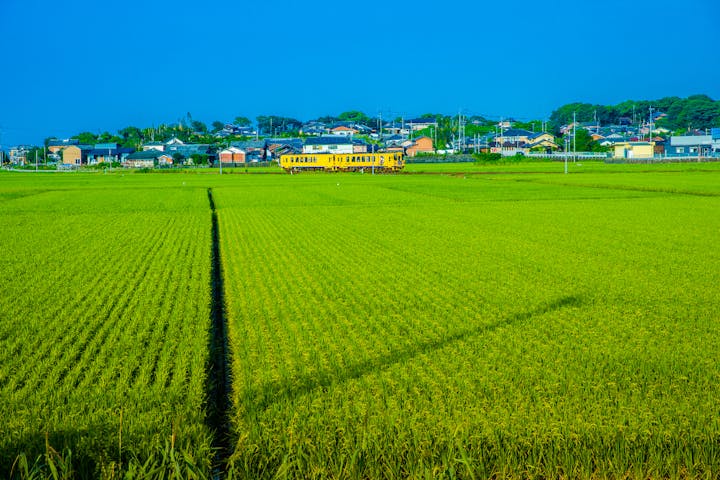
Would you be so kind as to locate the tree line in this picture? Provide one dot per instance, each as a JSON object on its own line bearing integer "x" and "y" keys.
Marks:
{"x": 681, "y": 114}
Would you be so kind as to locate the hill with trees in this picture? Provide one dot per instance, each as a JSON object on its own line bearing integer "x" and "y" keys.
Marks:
{"x": 681, "y": 114}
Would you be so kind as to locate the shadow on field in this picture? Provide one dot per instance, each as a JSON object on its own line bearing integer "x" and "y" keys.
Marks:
{"x": 272, "y": 394}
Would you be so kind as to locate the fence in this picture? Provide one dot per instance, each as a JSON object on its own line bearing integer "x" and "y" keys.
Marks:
{"x": 244, "y": 165}
{"x": 665, "y": 159}
{"x": 441, "y": 159}
{"x": 569, "y": 155}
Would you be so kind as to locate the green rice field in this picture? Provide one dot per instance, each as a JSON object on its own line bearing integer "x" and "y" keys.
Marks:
{"x": 453, "y": 321}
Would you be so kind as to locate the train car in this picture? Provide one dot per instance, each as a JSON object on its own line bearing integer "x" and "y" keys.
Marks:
{"x": 343, "y": 162}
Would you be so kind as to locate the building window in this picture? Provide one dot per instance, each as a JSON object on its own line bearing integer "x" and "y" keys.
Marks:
{"x": 680, "y": 149}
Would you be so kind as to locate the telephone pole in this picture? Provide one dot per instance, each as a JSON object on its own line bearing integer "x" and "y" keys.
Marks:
{"x": 574, "y": 137}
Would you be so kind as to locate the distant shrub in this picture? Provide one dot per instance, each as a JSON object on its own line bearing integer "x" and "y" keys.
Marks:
{"x": 485, "y": 157}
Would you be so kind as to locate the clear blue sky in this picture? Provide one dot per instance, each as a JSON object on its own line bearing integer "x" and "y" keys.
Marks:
{"x": 81, "y": 65}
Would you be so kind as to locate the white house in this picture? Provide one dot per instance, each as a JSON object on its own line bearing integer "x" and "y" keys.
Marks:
{"x": 327, "y": 144}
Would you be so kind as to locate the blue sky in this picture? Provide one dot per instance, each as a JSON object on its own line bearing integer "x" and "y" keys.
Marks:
{"x": 75, "y": 66}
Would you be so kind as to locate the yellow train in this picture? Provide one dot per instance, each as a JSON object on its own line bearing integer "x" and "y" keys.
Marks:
{"x": 343, "y": 162}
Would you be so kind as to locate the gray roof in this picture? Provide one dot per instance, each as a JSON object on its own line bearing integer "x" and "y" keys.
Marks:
{"x": 111, "y": 151}
{"x": 295, "y": 142}
{"x": 249, "y": 144}
{"x": 63, "y": 143}
{"x": 420, "y": 121}
{"x": 516, "y": 132}
{"x": 147, "y": 155}
{"x": 328, "y": 140}
{"x": 188, "y": 149}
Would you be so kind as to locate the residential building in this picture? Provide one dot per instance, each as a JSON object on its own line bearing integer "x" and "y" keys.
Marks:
{"x": 361, "y": 146}
{"x": 420, "y": 145}
{"x": 634, "y": 150}
{"x": 107, "y": 152}
{"x": 147, "y": 159}
{"x": 76, "y": 154}
{"x": 18, "y": 155}
{"x": 274, "y": 147}
{"x": 694, "y": 145}
{"x": 415, "y": 124}
{"x": 55, "y": 146}
{"x": 328, "y": 144}
{"x": 344, "y": 130}
{"x": 314, "y": 128}
{"x": 232, "y": 155}
{"x": 187, "y": 151}
{"x": 254, "y": 150}
{"x": 159, "y": 146}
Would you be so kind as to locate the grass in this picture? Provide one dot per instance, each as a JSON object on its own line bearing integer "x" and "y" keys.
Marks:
{"x": 515, "y": 325}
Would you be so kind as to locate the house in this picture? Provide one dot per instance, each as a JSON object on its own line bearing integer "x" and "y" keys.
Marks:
{"x": 254, "y": 150}
{"x": 344, "y": 130}
{"x": 76, "y": 154}
{"x": 147, "y": 159}
{"x": 232, "y": 129}
{"x": 612, "y": 139}
{"x": 232, "y": 155}
{"x": 634, "y": 150}
{"x": 692, "y": 145}
{"x": 420, "y": 145}
{"x": 313, "y": 128}
{"x": 18, "y": 155}
{"x": 54, "y": 146}
{"x": 159, "y": 146}
{"x": 415, "y": 124}
{"x": 328, "y": 144}
{"x": 361, "y": 146}
{"x": 517, "y": 136}
{"x": 107, "y": 152}
{"x": 274, "y": 147}
{"x": 541, "y": 141}
{"x": 195, "y": 151}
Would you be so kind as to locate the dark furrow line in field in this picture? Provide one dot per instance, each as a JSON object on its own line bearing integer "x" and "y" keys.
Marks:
{"x": 218, "y": 377}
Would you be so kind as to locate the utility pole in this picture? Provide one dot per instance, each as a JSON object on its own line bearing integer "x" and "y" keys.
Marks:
{"x": 574, "y": 137}
{"x": 597, "y": 127}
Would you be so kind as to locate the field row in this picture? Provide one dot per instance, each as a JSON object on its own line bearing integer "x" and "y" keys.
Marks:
{"x": 379, "y": 326}
{"x": 418, "y": 329}
{"x": 104, "y": 325}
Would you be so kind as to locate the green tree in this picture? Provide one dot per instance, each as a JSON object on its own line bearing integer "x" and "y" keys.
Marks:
{"x": 199, "y": 158}
{"x": 86, "y": 138}
{"x": 355, "y": 116}
{"x": 217, "y": 126}
{"x": 242, "y": 121}
{"x": 199, "y": 126}
{"x": 583, "y": 142}
{"x": 328, "y": 119}
{"x": 276, "y": 125}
